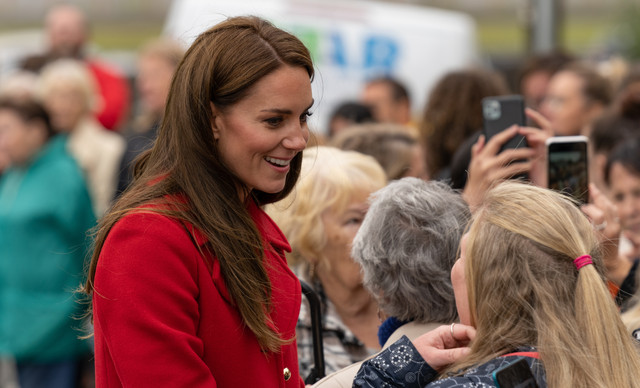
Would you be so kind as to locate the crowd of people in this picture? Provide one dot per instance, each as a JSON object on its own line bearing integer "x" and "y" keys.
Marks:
{"x": 155, "y": 232}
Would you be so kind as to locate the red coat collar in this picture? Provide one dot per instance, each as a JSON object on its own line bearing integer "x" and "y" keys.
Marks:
{"x": 266, "y": 226}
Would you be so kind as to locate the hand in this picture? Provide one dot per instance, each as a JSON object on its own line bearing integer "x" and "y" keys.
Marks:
{"x": 488, "y": 165}
{"x": 536, "y": 139}
{"x": 633, "y": 242}
{"x": 445, "y": 345}
{"x": 604, "y": 216}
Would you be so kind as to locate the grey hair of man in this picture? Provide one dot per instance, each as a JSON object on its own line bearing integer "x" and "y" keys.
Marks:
{"x": 406, "y": 246}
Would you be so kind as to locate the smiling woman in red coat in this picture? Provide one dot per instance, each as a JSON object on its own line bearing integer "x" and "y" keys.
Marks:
{"x": 189, "y": 283}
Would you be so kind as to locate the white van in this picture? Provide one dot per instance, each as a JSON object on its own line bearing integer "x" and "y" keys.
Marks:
{"x": 350, "y": 41}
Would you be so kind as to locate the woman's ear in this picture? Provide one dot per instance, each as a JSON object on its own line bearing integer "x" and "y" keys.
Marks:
{"x": 215, "y": 115}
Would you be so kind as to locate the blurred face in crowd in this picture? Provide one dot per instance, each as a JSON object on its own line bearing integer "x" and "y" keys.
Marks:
{"x": 534, "y": 88}
{"x": 20, "y": 141}
{"x": 379, "y": 97}
{"x": 66, "y": 30}
{"x": 565, "y": 104}
{"x": 624, "y": 190}
{"x": 153, "y": 82}
{"x": 458, "y": 280}
{"x": 67, "y": 106}
{"x": 259, "y": 136}
{"x": 336, "y": 267}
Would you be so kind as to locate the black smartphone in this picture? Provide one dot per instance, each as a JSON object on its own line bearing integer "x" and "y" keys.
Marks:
{"x": 568, "y": 166}
{"x": 515, "y": 375}
{"x": 501, "y": 112}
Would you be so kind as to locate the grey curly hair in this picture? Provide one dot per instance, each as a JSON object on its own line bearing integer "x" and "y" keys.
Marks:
{"x": 406, "y": 246}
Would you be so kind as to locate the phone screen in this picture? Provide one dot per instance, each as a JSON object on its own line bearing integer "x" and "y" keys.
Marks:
{"x": 515, "y": 375}
{"x": 568, "y": 166}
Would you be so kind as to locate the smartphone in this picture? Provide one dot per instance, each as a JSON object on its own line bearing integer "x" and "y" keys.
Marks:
{"x": 501, "y": 112}
{"x": 515, "y": 375}
{"x": 568, "y": 166}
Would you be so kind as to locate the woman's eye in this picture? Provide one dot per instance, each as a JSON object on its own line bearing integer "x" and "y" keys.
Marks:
{"x": 273, "y": 121}
{"x": 354, "y": 221}
{"x": 305, "y": 116}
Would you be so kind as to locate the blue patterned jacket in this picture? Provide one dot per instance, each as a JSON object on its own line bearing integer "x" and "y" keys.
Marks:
{"x": 401, "y": 365}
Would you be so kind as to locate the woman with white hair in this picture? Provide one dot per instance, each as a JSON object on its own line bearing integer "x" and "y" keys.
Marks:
{"x": 68, "y": 92}
{"x": 406, "y": 246}
{"x": 320, "y": 218}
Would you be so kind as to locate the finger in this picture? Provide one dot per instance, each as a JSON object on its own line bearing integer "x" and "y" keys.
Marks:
{"x": 493, "y": 145}
{"x": 609, "y": 208}
{"x": 454, "y": 355}
{"x": 535, "y": 137}
{"x": 478, "y": 146}
{"x": 509, "y": 171}
{"x": 595, "y": 214}
{"x": 459, "y": 335}
{"x": 601, "y": 200}
{"x": 539, "y": 119}
{"x": 463, "y": 332}
{"x": 514, "y": 154}
{"x": 441, "y": 358}
{"x": 437, "y": 338}
{"x": 594, "y": 192}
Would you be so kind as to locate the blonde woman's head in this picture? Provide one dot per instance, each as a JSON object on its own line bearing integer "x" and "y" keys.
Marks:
{"x": 69, "y": 92}
{"x": 330, "y": 181}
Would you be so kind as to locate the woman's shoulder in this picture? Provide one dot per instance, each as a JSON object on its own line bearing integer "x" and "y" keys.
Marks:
{"x": 482, "y": 375}
{"x": 149, "y": 225}
{"x": 149, "y": 241}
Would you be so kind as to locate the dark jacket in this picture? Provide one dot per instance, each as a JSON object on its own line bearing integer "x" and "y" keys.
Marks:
{"x": 400, "y": 365}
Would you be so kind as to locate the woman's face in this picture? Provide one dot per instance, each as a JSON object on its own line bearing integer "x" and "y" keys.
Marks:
{"x": 458, "y": 281}
{"x": 335, "y": 266}
{"x": 153, "y": 82}
{"x": 67, "y": 105}
{"x": 565, "y": 105}
{"x": 625, "y": 193}
{"x": 259, "y": 136}
{"x": 19, "y": 141}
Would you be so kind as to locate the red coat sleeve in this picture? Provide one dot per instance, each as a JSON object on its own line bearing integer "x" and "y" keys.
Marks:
{"x": 146, "y": 307}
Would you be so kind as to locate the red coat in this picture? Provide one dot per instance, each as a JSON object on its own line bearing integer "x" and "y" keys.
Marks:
{"x": 163, "y": 319}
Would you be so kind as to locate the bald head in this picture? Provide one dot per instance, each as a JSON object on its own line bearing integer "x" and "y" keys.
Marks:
{"x": 67, "y": 30}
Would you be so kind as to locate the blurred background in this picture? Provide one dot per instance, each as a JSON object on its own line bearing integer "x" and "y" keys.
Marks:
{"x": 585, "y": 27}
{"x": 506, "y": 31}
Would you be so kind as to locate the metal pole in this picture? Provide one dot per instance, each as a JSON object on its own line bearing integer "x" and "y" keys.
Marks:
{"x": 544, "y": 25}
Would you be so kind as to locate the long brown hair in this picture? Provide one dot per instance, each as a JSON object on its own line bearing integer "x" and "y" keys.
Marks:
{"x": 220, "y": 67}
{"x": 524, "y": 290}
{"x": 454, "y": 112}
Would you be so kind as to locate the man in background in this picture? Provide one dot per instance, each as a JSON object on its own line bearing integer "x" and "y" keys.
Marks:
{"x": 389, "y": 101}
{"x": 67, "y": 35}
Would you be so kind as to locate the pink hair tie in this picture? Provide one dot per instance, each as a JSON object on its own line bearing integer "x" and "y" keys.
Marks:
{"x": 582, "y": 261}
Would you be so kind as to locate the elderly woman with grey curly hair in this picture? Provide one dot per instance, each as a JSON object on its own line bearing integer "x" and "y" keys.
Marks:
{"x": 407, "y": 245}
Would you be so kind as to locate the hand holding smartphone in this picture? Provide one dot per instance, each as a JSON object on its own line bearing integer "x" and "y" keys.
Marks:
{"x": 500, "y": 113}
{"x": 568, "y": 166}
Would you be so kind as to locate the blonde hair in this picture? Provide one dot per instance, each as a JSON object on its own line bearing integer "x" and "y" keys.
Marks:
{"x": 169, "y": 51}
{"x": 524, "y": 289}
{"x": 631, "y": 317}
{"x": 329, "y": 179}
{"x": 69, "y": 73}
